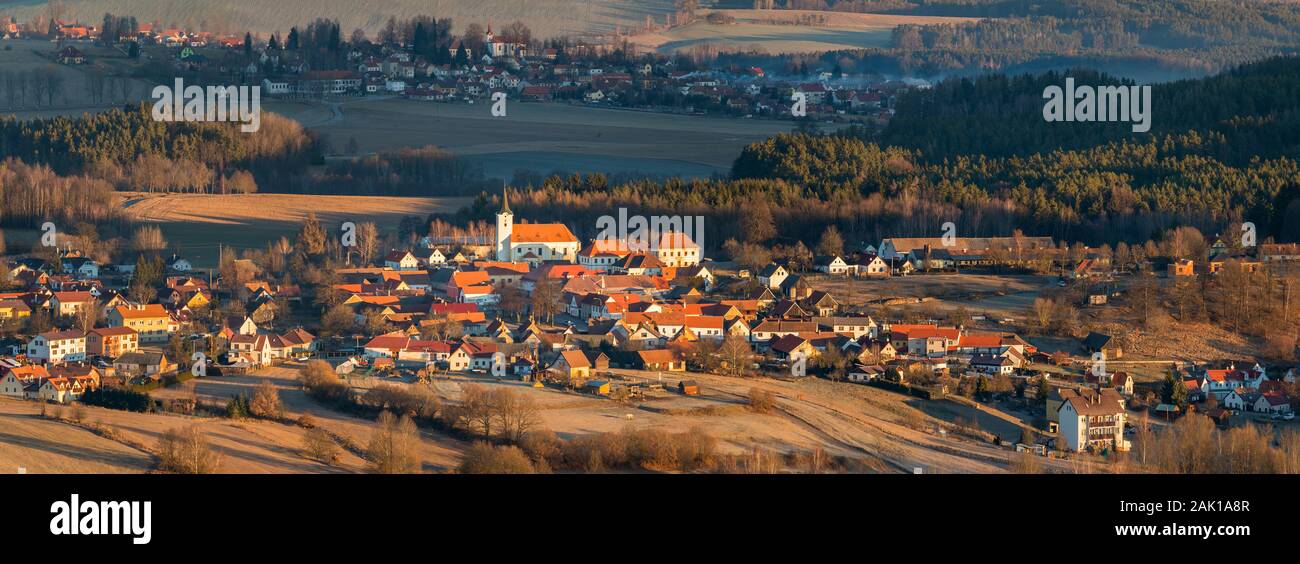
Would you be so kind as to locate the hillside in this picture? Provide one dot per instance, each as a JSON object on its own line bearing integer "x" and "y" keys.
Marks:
{"x": 546, "y": 17}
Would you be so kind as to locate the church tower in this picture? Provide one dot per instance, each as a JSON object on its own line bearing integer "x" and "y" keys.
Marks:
{"x": 505, "y": 224}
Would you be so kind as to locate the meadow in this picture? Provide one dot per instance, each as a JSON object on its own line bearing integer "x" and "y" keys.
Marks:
{"x": 547, "y": 18}
{"x": 542, "y": 137}
{"x": 783, "y": 31}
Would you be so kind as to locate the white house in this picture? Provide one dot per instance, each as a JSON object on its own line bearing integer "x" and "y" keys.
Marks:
{"x": 1093, "y": 422}
{"x": 56, "y": 347}
{"x": 831, "y": 265}
{"x": 773, "y": 275}
{"x": 401, "y": 260}
{"x": 874, "y": 267}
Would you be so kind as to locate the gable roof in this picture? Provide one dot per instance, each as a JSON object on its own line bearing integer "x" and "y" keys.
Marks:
{"x": 541, "y": 233}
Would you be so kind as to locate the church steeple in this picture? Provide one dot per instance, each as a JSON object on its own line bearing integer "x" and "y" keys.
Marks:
{"x": 505, "y": 225}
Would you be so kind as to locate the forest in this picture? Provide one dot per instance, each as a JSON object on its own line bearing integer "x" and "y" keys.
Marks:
{"x": 1192, "y": 36}
{"x": 978, "y": 153}
{"x": 972, "y": 151}
{"x": 67, "y": 167}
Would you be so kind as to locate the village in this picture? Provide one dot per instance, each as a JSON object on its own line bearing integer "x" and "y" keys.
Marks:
{"x": 482, "y": 67}
{"x": 632, "y": 321}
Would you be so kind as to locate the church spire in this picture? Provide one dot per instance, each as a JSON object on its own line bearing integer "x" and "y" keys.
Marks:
{"x": 505, "y": 199}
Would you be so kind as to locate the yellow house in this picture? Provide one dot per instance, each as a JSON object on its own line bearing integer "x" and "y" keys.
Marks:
{"x": 14, "y": 309}
{"x": 151, "y": 321}
{"x": 197, "y": 300}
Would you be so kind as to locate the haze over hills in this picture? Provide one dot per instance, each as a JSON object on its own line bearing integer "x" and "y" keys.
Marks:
{"x": 547, "y": 18}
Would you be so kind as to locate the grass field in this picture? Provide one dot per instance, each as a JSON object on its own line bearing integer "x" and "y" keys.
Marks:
{"x": 19, "y": 57}
{"x": 547, "y": 18}
{"x": 777, "y": 32}
{"x": 199, "y": 223}
{"x": 541, "y": 137}
{"x": 45, "y": 446}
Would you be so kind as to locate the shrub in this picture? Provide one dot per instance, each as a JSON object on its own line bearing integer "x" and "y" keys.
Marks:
{"x": 237, "y": 407}
{"x": 318, "y": 445}
{"x": 412, "y": 401}
{"x": 186, "y": 451}
{"x": 392, "y": 448}
{"x": 541, "y": 445}
{"x": 320, "y": 382}
{"x": 483, "y": 458}
{"x": 761, "y": 401}
{"x": 118, "y": 398}
{"x": 266, "y": 402}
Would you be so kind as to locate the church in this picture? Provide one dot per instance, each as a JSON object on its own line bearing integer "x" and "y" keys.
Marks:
{"x": 533, "y": 243}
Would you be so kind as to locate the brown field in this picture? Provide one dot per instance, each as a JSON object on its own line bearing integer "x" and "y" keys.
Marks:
{"x": 438, "y": 452}
{"x": 999, "y": 296}
{"x": 856, "y": 422}
{"x": 547, "y": 18}
{"x": 251, "y": 447}
{"x": 199, "y": 223}
{"x": 540, "y": 137}
{"x": 880, "y": 430}
{"x": 44, "y": 446}
{"x": 774, "y": 32}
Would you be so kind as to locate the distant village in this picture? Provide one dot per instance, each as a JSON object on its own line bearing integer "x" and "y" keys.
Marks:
{"x": 536, "y": 304}
{"x": 522, "y": 71}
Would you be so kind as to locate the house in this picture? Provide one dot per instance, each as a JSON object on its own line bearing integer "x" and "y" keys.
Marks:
{"x": 1181, "y": 268}
{"x": 152, "y": 321}
{"x": 54, "y": 347}
{"x": 71, "y": 56}
{"x": 873, "y": 266}
{"x": 793, "y": 347}
{"x": 992, "y": 364}
{"x": 69, "y": 304}
{"x": 834, "y": 265}
{"x": 676, "y": 249}
{"x": 821, "y": 304}
{"x": 924, "y": 340}
{"x": 862, "y": 373}
{"x": 239, "y": 325}
{"x": 14, "y": 309}
{"x": 112, "y": 342}
{"x": 1093, "y": 422}
{"x": 1272, "y": 402}
{"x": 401, "y": 260}
{"x": 1104, "y": 344}
{"x": 256, "y": 349}
{"x": 1123, "y": 383}
{"x": 773, "y": 276}
{"x": 572, "y": 365}
{"x": 688, "y": 388}
{"x": 22, "y": 382}
{"x": 81, "y": 267}
{"x": 142, "y": 364}
{"x": 63, "y": 390}
{"x": 660, "y": 359}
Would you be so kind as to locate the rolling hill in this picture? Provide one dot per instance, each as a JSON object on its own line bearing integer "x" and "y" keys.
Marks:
{"x": 547, "y": 18}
